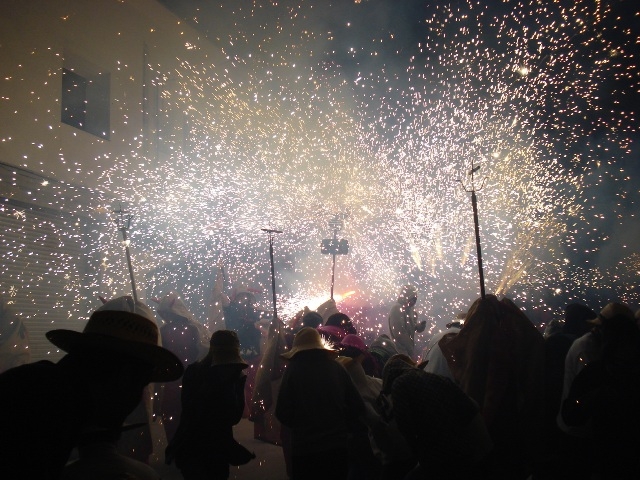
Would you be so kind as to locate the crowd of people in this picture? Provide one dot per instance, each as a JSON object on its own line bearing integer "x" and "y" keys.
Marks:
{"x": 489, "y": 397}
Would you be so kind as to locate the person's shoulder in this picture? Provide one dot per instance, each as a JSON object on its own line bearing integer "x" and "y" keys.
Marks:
{"x": 42, "y": 369}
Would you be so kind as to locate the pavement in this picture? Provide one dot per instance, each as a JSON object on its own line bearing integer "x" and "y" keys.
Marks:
{"x": 268, "y": 464}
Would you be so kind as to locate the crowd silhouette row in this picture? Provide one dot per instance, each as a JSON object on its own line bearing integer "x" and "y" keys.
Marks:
{"x": 490, "y": 397}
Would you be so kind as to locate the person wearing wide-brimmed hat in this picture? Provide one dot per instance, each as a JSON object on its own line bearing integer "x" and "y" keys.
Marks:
{"x": 320, "y": 404}
{"x": 94, "y": 387}
{"x": 212, "y": 403}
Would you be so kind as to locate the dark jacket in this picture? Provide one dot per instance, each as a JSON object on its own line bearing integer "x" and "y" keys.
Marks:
{"x": 212, "y": 403}
{"x": 318, "y": 402}
{"x": 43, "y": 407}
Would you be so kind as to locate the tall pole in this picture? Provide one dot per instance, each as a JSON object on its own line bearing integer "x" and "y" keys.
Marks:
{"x": 474, "y": 203}
{"x": 123, "y": 221}
{"x": 333, "y": 267}
{"x": 273, "y": 272}
{"x": 476, "y": 223}
{"x": 125, "y": 239}
{"x": 336, "y": 223}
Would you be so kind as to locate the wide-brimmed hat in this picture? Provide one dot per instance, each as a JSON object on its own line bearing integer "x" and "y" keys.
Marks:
{"x": 611, "y": 311}
{"x": 306, "y": 339}
{"x": 225, "y": 349}
{"x": 124, "y": 327}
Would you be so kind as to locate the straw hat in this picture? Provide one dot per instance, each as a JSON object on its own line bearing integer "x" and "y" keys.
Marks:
{"x": 225, "y": 349}
{"x": 126, "y": 327}
{"x": 306, "y": 339}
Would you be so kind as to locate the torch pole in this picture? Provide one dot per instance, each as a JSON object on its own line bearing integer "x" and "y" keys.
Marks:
{"x": 273, "y": 273}
{"x": 333, "y": 266}
{"x": 125, "y": 239}
{"x": 474, "y": 203}
{"x": 476, "y": 223}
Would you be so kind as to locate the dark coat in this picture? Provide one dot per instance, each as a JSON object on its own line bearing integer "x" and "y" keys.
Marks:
{"x": 212, "y": 403}
{"x": 43, "y": 407}
{"x": 318, "y": 402}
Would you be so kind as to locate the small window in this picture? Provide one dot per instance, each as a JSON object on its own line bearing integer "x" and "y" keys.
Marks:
{"x": 86, "y": 100}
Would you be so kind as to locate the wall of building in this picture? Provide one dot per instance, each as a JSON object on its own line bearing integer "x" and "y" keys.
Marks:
{"x": 59, "y": 247}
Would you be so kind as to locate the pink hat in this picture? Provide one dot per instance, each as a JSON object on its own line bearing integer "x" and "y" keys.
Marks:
{"x": 354, "y": 341}
{"x": 332, "y": 332}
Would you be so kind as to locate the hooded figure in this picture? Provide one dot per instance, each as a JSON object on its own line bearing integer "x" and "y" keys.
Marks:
{"x": 212, "y": 403}
{"x": 241, "y": 317}
{"x": 94, "y": 387}
{"x": 403, "y": 321}
{"x": 443, "y": 426}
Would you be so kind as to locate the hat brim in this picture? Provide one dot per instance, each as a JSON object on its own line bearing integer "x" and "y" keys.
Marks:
{"x": 229, "y": 360}
{"x": 291, "y": 353}
{"x": 166, "y": 366}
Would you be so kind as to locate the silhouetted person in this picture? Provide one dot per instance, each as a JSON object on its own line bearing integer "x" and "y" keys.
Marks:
{"x": 241, "y": 317}
{"x": 604, "y": 398}
{"x": 212, "y": 403}
{"x": 321, "y": 405}
{"x": 442, "y": 425}
{"x": 94, "y": 387}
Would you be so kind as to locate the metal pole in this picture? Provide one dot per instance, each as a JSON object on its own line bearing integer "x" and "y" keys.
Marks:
{"x": 333, "y": 267}
{"x": 133, "y": 280}
{"x": 273, "y": 272}
{"x": 273, "y": 279}
{"x": 474, "y": 203}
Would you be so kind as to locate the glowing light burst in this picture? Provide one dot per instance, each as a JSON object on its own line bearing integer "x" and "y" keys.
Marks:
{"x": 288, "y": 137}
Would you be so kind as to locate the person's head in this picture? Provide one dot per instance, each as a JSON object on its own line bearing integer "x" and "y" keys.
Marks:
{"x": 332, "y": 334}
{"x": 244, "y": 299}
{"x": 118, "y": 355}
{"x": 614, "y": 321}
{"x": 343, "y": 321}
{"x": 307, "y": 339}
{"x": 554, "y": 327}
{"x": 396, "y": 366}
{"x": 224, "y": 349}
{"x": 611, "y": 315}
{"x": 311, "y": 319}
{"x": 352, "y": 346}
{"x": 408, "y": 296}
{"x": 576, "y": 319}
